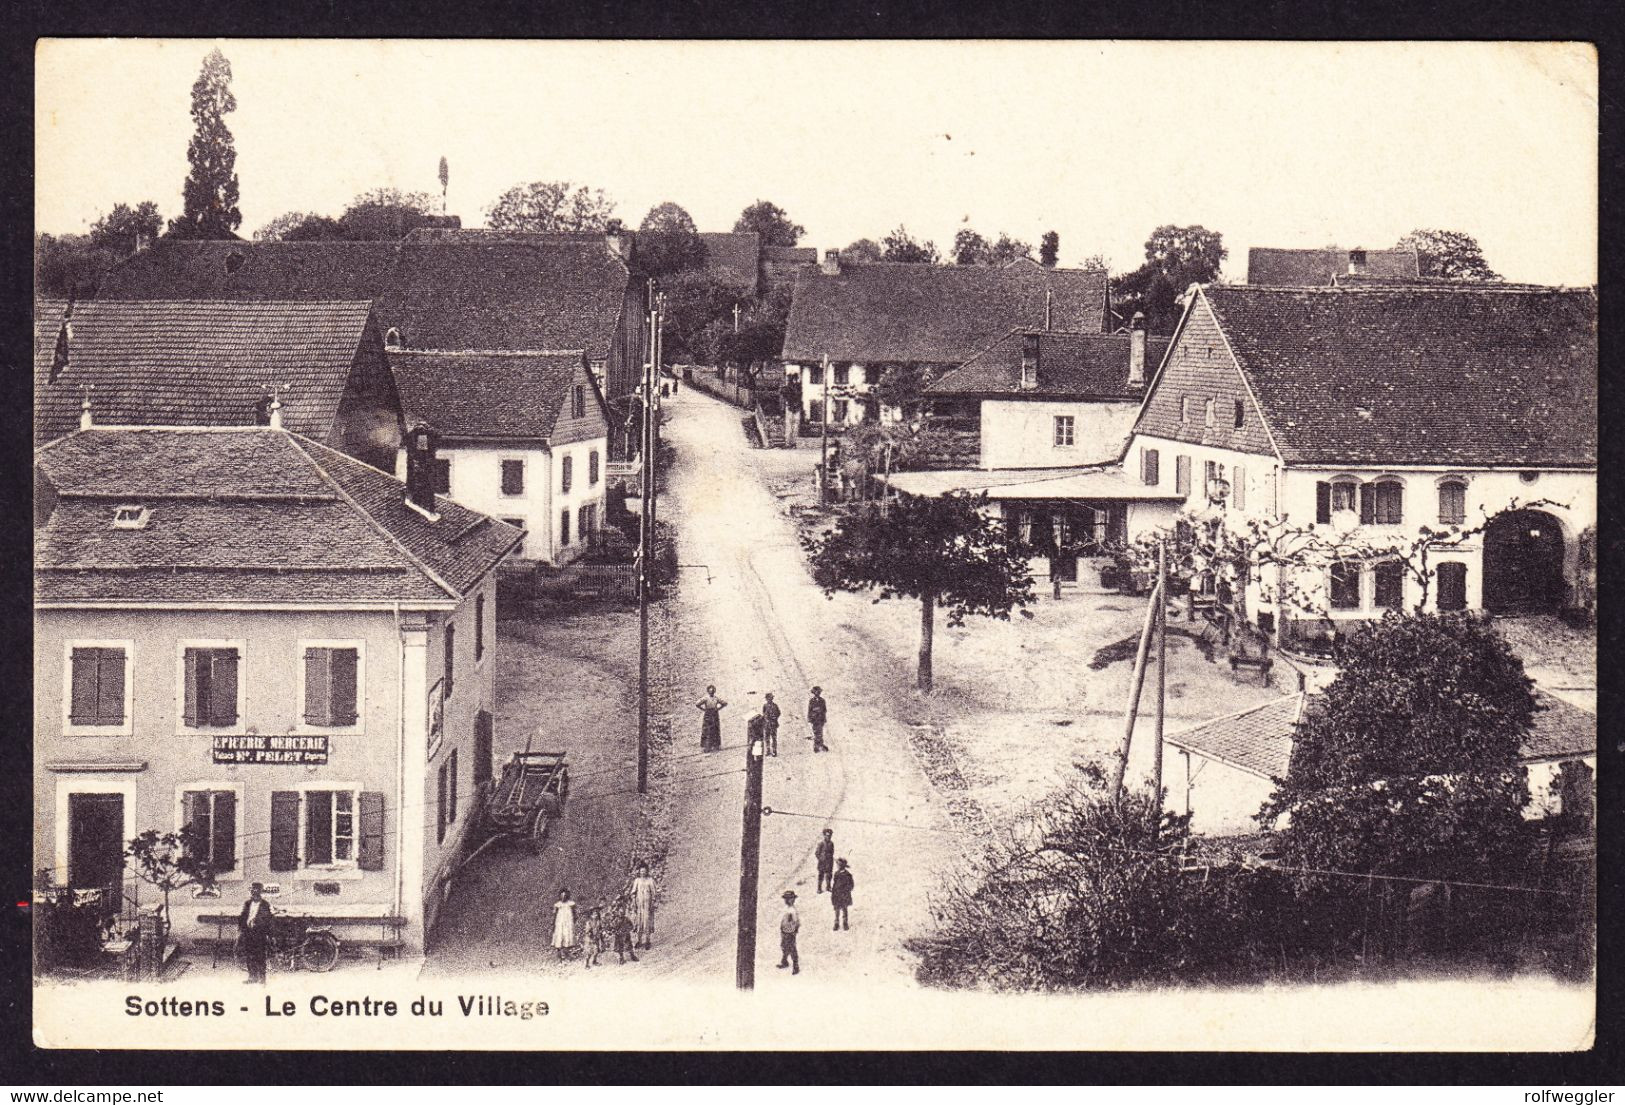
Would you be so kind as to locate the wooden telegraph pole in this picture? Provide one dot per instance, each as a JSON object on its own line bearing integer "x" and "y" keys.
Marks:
{"x": 823, "y": 440}
{"x": 645, "y": 552}
{"x": 1137, "y": 684}
{"x": 1162, "y": 686}
{"x": 750, "y": 853}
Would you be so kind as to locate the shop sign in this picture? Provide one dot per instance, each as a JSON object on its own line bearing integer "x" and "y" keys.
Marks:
{"x": 270, "y": 748}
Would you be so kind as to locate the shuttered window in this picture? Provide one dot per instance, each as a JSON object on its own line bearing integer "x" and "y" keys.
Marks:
{"x": 1182, "y": 475}
{"x": 210, "y": 820}
{"x": 566, "y": 474}
{"x": 449, "y": 661}
{"x": 1150, "y": 467}
{"x": 440, "y": 805}
{"x": 1452, "y": 502}
{"x": 1323, "y": 501}
{"x": 1388, "y": 585}
{"x": 564, "y": 527}
{"x": 1345, "y": 585}
{"x": 331, "y": 678}
{"x": 330, "y": 827}
{"x": 484, "y": 733}
{"x": 341, "y": 827}
{"x": 451, "y": 787}
{"x": 1241, "y": 413}
{"x": 211, "y": 687}
{"x": 592, "y": 468}
{"x": 1382, "y": 503}
{"x": 372, "y": 832}
{"x": 1452, "y": 581}
{"x": 578, "y": 402}
{"x": 284, "y": 830}
{"x": 97, "y": 686}
{"x": 513, "y": 477}
{"x": 479, "y": 628}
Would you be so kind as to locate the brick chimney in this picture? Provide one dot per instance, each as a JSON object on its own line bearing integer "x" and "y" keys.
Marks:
{"x": 421, "y": 443}
{"x": 616, "y": 238}
{"x": 1357, "y": 262}
{"x": 832, "y": 263}
{"x": 1136, "y": 351}
{"x": 1029, "y": 362}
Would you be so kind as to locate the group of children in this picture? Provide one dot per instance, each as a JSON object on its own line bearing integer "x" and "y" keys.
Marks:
{"x": 606, "y": 924}
{"x": 627, "y": 925}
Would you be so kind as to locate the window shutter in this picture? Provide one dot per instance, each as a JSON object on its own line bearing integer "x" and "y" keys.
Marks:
{"x": 1238, "y": 487}
{"x": 1367, "y": 503}
{"x": 1156, "y": 466}
{"x": 195, "y": 812}
{"x": 342, "y": 681}
{"x": 317, "y": 667}
{"x": 451, "y": 787}
{"x": 223, "y": 688}
{"x": 192, "y": 658}
{"x": 225, "y": 831}
{"x": 1323, "y": 501}
{"x": 372, "y": 831}
{"x": 284, "y": 830}
{"x": 440, "y": 805}
{"x": 449, "y": 660}
{"x": 86, "y": 665}
{"x": 319, "y": 827}
{"x": 110, "y": 686}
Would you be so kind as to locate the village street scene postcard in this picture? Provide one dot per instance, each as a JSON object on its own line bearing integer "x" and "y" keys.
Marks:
{"x": 815, "y": 545}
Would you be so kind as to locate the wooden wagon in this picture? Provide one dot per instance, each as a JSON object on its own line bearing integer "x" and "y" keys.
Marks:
{"x": 530, "y": 793}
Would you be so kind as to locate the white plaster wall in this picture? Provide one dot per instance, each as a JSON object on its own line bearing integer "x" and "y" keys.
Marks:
{"x": 1222, "y": 800}
{"x": 1020, "y": 433}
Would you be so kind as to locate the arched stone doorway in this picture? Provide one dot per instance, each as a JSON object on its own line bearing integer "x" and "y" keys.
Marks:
{"x": 1523, "y": 563}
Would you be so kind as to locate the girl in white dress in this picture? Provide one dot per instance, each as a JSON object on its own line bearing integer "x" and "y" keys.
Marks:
{"x": 564, "y": 922}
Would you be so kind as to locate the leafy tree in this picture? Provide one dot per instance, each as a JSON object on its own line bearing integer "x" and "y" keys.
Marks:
{"x": 1448, "y": 253}
{"x": 386, "y": 214}
{"x": 1096, "y": 262}
{"x": 550, "y": 206}
{"x": 445, "y": 181}
{"x": 1175, "y": 258}
{"x": 760, "y": 336}
{"x": 668, "y": 241}
{"x": 1049, "y": 249}
{"x": 900, "y": 245}
{"x": 69, "y": 265}
{"x": 319, "y": 228}
{"x": 771, "y": 222}
{"x": 123, "y": 228}
{"x": 864, "y": 249}
{"x": 211, "y": 191}
{"x": 171, "y": 861}
{"x": 970, "y": 248}
{"x": 694, "y": 301}
{"x": 943, "y": 551}
{"x": 903, "y": 385}
{"x": 278, "y": 229}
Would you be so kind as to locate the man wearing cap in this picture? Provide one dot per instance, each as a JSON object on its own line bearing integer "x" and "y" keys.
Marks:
{"x": 770, "y": 719}
{"x": 825, "y": 854}
{"x": 840, "y": 895}
{"x": 254, "y": 932}
{"x": 817, "y": 715}
{"x": 789, "y": 925}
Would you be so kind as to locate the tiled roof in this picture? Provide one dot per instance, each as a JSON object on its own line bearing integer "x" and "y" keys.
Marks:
{"x": 565, "y": 292}
{"x": 1315, "y": 268}
{"x": 186, "y": 363}
{"x": 1477, "y": 376}
{"x": 790, "y": 255}
{"x": 939, "y": 314}
{"x": 1071, "y": 366}
{"x": 733, "y": 259}
{"x": 1259, "y": 740}
{"x": 246, "y": 515}
{"x": 514, "y": 395}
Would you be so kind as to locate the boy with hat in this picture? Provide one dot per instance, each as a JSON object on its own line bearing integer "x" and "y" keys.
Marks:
{"x": 789, "y": 925}
{"x": 825, "y": 854}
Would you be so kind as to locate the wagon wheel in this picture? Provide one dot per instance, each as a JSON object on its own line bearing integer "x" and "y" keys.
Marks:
{"x": 538, "y": 832}
{"x": 319, "y": 952}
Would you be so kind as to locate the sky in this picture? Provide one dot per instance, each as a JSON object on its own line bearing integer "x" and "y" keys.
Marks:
{"x": 1298, "y": 145}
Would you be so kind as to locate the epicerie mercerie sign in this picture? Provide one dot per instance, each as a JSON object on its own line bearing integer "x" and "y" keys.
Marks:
{"x": 270, "y": 748}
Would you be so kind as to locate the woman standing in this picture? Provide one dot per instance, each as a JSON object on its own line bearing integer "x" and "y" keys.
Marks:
{"x": 564, "y": 923}
{"x": 711, "y": 723}
{"x": 643, "y": 906}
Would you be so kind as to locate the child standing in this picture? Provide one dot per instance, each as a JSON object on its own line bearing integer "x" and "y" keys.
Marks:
{"x": 622, "y": 925}
{"x": 592, "y": 935}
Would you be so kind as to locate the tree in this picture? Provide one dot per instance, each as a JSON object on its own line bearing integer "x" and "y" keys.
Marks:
{"x": 903, "y": 386}
{"x": 171, "y": 861}
{"x": 1095, "y": 262}
{"x": 943, "y": 551}
{"x": 123, "y": 229}
{"x": 278, "y": 229}
{"x": 69, "y": 265}
{"x": 211, "y": 192}
{"x": 445, "y": 181}
{"x": 550, "y": 207}
{"x": 900, "y": 245}
{"x": 771, "y": 222}
{"x": 694, "y": 301}
{"x": 970, "y": 248}
{"x": 864, "y": 249}
{"x": 319, "y": 228}
{"x": 1175, "y": 258}
{"x": 1049, "y": 249}
{"x": 386, "y": 214}
{"x": 668, "y": 241}
{"x": 1450, "y": 254}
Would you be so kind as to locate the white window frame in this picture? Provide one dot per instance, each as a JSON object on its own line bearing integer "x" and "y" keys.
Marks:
{"x": 236, "y": 788}
{"x": 524, "y": 477}
{"x": 181, "y": 728}
{"x": 74, "y": 783}
{"x": 69, "y": 729}
{"x": 345, "y": 870}
{"x": 1071, "y": 423}
{"x": 360, "y": 647}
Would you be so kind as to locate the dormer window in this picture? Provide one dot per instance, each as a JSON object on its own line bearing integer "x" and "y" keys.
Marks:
{"x": 392, "y": 339}
{"x": 131, "y": 516}
{"x": 234, "y": 261}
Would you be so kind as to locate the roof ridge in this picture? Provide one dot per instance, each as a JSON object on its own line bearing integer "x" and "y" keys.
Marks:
{"x": 1299, "y": 695}
{"x": 300, "y": 442}
{"x": 1400, "y": 285}
{"x": 490, "y": 352}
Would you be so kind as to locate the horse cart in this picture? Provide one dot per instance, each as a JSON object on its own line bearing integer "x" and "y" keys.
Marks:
{"x": 530, "y": 793}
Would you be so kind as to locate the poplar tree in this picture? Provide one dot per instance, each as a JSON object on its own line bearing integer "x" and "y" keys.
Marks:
{"x": 210, "y": 193}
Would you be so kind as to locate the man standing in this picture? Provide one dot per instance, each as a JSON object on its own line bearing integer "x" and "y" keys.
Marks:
{"x": 770, "y": 732}
{"x": 840, "y": 896}
{"x": 254, "y": 932}
{"x": 817, "y": 715}
{"x": 825, "y": 854}
{"x": 789, "y": 925}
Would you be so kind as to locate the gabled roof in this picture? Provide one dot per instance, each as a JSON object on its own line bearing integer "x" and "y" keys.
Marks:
{"x": 497, "y": 395}
{"x": 789, "y": 255}
{"x": 246, "y": 515}
{"x": 1259, "y": 740}
{"x": 189, "y": 363}
{"x": 942, "y": 314}
{"x": 1070, "y": 366}
{"x": 1469, "y": 375}
{"x": 733, "y": 258}
{"x": 1315, "y": 268}
{"x": 564, "y": 292}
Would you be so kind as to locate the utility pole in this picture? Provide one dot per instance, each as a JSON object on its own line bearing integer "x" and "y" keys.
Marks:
{"x": 823, "y": 440}
{"x": 645, "y": 555}
{"x": 736, "y": 318}
{"x": 1162, "y": 686}
{"x": 1137, "y": 683}
{"x": 750, "y": 854}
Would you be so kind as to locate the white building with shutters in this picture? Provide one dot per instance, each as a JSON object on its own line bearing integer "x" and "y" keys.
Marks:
{"x": 246, "y": 632}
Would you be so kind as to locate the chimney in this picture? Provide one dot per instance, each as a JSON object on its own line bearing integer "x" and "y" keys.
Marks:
{"x": 616, "y": 238}
{"x": 832, "y": 263}
{"x": 1029, "y": 362}
{"x": 421, "y": 441}
{"x": 276, "y": 412}
{"x": 1136, "y": 351}
{"x": 85, "y": 419}
{"x": 1357, "y": 261}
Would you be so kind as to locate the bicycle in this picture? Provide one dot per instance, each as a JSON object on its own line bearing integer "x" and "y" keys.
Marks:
{"x": 296, "y": 944}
